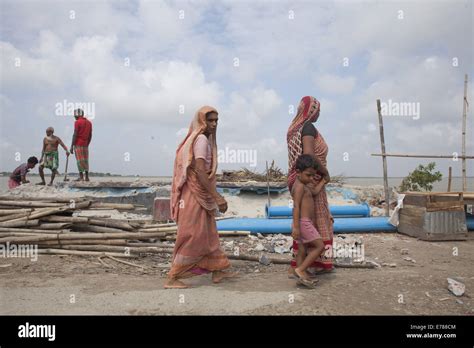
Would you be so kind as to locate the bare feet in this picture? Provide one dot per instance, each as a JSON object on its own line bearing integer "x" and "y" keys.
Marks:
{"x": 304, "y": 279}
{"x": 175, "y": 284}
{"x": 301, "y": 274}
{"x": 188, "y": 274}
{"x": 217, "y": 276}
{"x": 50, "y": 184}
{"x": 41, "y": 183}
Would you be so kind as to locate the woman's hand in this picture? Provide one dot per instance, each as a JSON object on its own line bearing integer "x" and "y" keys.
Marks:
{"x": 221, "y": 203}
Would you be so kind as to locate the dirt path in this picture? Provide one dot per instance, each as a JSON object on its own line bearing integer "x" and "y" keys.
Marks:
{"x": 49, "y": 285}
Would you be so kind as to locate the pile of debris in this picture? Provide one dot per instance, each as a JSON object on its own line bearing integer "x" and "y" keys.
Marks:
{"x": 273, "y": 174}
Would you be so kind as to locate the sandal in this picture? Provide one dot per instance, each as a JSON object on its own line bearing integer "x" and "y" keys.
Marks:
{"x": 306, "y": 282}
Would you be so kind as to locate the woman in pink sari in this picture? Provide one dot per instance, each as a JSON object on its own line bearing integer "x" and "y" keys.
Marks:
{"x": 194, "y": 201}
{"x": 303, "y": 138}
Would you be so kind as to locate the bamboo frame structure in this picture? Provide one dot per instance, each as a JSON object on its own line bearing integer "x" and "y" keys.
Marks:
{"x": 463, "y": 156}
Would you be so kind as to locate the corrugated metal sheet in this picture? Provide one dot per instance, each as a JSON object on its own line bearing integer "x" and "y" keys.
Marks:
{"x": 445, "y": 222}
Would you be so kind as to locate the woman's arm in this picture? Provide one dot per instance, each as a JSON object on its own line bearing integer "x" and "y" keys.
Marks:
{"x": 315, "y": 189}
{"x": 203, "y": 178}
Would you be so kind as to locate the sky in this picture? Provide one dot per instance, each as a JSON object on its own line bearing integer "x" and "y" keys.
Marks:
{"x": 143, "y": 68}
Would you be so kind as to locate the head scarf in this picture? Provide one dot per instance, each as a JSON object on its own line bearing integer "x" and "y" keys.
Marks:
{"x": 184, "y": 156}
{"x": 308, "y": 111}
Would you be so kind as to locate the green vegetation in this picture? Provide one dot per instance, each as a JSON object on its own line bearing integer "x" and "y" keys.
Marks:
{"x": 421, "y": 178}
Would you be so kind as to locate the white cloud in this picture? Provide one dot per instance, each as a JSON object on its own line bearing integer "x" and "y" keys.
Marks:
{"x": 190, "y": 62}
{"x": 335, "y": 84}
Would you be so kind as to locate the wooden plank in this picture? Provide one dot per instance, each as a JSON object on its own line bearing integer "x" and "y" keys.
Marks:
{"x": 410, "y": 230}
{"x": 419, "y": 156}
{"x": 417, "y": 200}
{"x": 412, "y": 210}
{"x": 416, "y": 221}
{"x": 435, "y": 206}
{"x": 420, "y": 233}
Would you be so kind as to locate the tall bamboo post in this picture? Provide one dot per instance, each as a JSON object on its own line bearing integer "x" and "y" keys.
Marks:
{"x": 384, "y": 160}
{"x": 464, "y": 111}
{"x": 268, "y": 184}
{"x": 450, "y": 172}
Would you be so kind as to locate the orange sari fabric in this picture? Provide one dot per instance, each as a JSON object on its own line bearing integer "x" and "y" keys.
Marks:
{"x": 197, "y": 244}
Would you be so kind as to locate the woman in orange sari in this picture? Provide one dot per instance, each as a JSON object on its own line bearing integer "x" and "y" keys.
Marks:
{"x": 303, "y": 138}
{"x": 194, "y": 201}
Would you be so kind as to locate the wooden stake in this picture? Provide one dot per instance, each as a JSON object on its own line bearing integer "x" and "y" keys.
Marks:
{"x": 75, "y": 252}
{"x": 268, "y": 184}
{"x": 4, "y": 212}
{"x": 70, "y": 219}
{"x": 19, "y": 223}
{"x": 384, "y": 159}
{"x": 449, "y": 178}
{"x": 30, "y": 204}
{"x": 12, "y": 217}
{"x": 27, "y": 230}
{"x": 464, "y": 111}
{"x": 76, "y": 235}
{"x": 125, "y": 262}
{"x": 419, "y": 156}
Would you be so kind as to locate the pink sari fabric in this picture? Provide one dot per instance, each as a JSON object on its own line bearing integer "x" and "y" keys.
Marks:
{"x": 323, "y": 222}
{"x": 197, "y": 249}
{"x": 308, "y": 111}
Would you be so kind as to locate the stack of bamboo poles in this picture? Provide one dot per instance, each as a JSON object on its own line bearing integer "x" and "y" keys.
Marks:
{"x": 50, "y": 224}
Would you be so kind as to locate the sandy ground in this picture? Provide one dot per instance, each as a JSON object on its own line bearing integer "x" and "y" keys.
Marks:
{"x": 49, "y": 285}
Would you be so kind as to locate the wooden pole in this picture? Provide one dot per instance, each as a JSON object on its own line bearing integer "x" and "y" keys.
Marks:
{"x": 268, "y": 184}
{"x": 420, "y": 156}
{"x": 464, "y": 110}
{"x": 384, "y": 160}
{"x": 449, "y": 178}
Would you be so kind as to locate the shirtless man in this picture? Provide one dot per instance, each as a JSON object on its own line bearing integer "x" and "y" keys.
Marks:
{"x": 310, "y": 243}
{"x": 50, "y": 156}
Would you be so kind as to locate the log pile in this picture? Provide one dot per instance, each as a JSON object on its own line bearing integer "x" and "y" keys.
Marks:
{"x": 50, "y": 223}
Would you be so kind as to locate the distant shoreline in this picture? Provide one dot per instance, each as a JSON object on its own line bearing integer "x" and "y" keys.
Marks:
{"x": 5, "y": 174}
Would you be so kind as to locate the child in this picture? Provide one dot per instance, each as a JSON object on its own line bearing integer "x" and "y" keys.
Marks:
{"x": 18, "y": 176}
{"x": 310, "y": 243}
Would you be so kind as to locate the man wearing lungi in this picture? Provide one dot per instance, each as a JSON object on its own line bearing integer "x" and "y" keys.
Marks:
{"x": 80, "y": 143}
{"x": 50, "y": 155}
